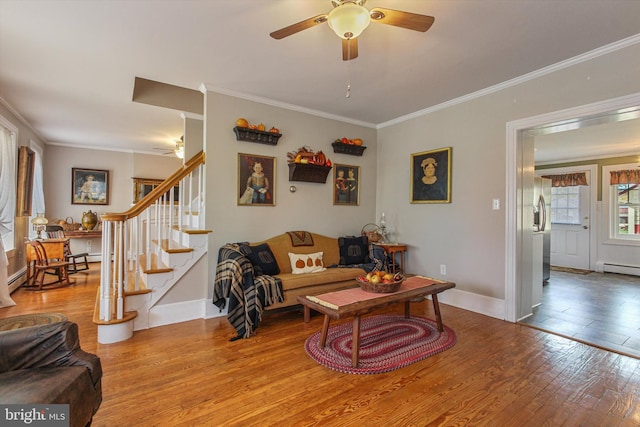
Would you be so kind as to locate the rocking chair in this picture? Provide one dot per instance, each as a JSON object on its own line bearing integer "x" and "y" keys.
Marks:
{"x": 57, "y": 232}
{"x": 44, "y": 265}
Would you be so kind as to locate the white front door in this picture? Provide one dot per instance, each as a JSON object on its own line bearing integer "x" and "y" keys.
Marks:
{"x": 570, "y": 244}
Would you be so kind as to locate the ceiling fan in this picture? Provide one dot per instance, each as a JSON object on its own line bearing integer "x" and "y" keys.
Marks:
{"x": 349, "y": 18}
{"x": 178, "y": 151}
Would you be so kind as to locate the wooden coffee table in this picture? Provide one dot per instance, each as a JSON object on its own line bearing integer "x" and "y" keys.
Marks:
{"x": 356, "y": 302}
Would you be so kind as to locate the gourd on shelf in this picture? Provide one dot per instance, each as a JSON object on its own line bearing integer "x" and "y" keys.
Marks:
{"x": 308, "y": 166}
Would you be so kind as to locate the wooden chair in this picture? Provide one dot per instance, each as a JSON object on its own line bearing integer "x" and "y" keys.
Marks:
{"x": 43, "y": 265}
{"x": 56, "y": 231}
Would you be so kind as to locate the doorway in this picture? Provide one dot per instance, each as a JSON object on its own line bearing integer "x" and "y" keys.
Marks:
{"x": 520, "y": 171}
{"x": 573, "y": 214}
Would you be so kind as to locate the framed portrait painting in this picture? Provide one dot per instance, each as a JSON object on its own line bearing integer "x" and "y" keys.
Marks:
{"x": 89, "y": 187}
{"x": 431, "y": 176}
{"x": 346, "y": 185}
{"x": 256, "y": 180}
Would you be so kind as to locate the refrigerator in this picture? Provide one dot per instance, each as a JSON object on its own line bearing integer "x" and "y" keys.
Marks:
{"x": 542, "y": 220}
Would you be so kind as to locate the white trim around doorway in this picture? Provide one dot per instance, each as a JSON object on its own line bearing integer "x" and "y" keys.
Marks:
{"x": 514, "y": 130}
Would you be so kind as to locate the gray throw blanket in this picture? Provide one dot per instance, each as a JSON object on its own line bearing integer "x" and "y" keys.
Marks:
{"x": 248, "y": 295}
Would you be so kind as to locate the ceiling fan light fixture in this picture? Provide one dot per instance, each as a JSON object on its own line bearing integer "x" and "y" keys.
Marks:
{"x": 179, "y": 150}
{"x": 348, "y": 20}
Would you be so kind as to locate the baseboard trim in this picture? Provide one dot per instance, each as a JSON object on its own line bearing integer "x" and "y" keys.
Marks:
{"x": 167, "y": 314}
{"x": 492, "y": 307}
{"x": 178, "y": 312}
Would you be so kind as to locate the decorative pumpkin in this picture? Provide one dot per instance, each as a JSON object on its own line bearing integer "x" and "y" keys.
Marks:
{"x": 242, "y": 122}
{"x": 274, "y": 130}
{"x": 357, "y": 142}
{"x": 321, "y": 159}
{"x": 261, "y": 127}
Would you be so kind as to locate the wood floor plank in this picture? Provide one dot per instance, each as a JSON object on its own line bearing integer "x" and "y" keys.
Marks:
{"x": 498, "y": 373}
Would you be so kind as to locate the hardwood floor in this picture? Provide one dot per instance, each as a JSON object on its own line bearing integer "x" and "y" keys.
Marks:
{"x": 602, "y": 309}
{"x": 497, "y": 374}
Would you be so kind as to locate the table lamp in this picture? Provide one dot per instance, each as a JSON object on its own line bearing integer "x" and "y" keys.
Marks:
{"x": 39, "y": 224}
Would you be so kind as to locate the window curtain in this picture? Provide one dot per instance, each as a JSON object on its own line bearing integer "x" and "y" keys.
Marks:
{"x": 568, "y": 179}
{"x": 37, "y": 202}
{"x": 8, "y": 153}
{"x": 630, "y": 176}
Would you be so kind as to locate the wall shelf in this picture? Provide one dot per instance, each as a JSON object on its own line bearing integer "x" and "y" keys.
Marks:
{"x": 354, "y": 150}
{"x": 308, "y": 173}
{"x": 254, "y": 135}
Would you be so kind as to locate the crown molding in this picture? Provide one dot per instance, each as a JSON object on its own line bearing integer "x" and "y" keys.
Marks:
{"x": 596, "y": 53}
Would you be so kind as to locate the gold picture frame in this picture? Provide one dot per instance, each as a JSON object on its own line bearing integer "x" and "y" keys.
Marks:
{"x": 256, "y": 180}
{"x": 346, "y": 185}
{"x": 431, "y": 176}
{"x": 144, "y": 186}
{"x": 89, "y": 187}
{"x": 24, "y": 193}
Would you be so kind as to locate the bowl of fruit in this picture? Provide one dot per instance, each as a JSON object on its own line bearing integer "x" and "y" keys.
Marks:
{"x": 380, "y": 282}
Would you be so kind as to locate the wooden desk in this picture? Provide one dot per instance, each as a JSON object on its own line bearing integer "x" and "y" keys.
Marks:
{"x": 54, "y": 249}
{"x": 391, "y": 249}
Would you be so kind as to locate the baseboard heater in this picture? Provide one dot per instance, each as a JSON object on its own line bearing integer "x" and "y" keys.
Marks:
{"x": 17, "y": 279}
{"x": 633, "y": 270}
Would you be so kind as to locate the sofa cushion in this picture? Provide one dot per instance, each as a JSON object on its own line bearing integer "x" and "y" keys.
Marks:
{"x": 306, "y": 263}
{"x": 262, "y": 259}
{"x": 353, "y": 250}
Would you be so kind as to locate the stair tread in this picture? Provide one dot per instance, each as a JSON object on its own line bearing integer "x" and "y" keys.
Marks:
{"x": 188, "y": 230}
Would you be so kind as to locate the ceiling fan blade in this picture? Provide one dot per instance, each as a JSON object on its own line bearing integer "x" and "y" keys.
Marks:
{"x": 296, "y": 28}
{"x": 349, "y": 49}
{"x": 408, "y": 20}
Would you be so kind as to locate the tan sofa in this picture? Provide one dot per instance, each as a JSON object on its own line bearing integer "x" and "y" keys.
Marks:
{"x": 249, "y": 290}
{"x": 328, "y": 280}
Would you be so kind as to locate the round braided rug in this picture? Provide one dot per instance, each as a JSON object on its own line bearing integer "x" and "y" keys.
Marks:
{"x": 28, "y": 320}
{"x": 387, "y": 342}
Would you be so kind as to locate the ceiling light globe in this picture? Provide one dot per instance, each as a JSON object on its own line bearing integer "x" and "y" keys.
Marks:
{"x": 348, "y": 20}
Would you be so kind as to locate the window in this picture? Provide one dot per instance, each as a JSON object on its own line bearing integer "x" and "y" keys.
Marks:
{"x": 621, "y": 188}
{"x": 627, "y": 222}
{"x": 565, "y": 205}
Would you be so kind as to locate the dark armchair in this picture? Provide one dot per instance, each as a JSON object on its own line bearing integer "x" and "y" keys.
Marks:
{"x": 45, "y": 365}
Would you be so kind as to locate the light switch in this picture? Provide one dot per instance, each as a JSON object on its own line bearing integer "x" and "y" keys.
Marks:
{"x": 496, "y": 204}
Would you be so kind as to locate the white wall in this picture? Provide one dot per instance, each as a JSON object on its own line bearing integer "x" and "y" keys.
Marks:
{"x": 122, "y": 166}
{"x": 311, "y": 206}
{"x": 467, "y": 235}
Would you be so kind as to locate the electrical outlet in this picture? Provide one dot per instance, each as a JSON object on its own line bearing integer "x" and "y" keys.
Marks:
{"x": 88, "y": 245}
{"x": 443, "y": 269}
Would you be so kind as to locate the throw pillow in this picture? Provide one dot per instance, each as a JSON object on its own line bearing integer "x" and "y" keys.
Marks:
{"x": 262, "y": 259}
{"x": 353, "y": 250}
{"x": 306, "y": 263}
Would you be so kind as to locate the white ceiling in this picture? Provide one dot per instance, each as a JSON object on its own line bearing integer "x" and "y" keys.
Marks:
{"x": 68, "y": 67}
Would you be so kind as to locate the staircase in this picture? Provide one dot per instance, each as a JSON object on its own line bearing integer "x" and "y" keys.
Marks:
{"x": 147, "y": 250}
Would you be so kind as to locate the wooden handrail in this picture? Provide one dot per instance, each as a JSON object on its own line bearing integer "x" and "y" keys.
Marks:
{"x": 157, "y": 192}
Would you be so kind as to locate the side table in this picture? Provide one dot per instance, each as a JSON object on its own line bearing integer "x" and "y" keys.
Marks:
{"x": 391, "y": 249}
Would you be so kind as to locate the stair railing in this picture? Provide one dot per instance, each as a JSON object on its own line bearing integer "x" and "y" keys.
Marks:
{"x": 132, "y": 241}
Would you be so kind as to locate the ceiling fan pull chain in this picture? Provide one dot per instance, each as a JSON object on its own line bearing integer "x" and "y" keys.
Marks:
{"x": 348, "y": 70}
